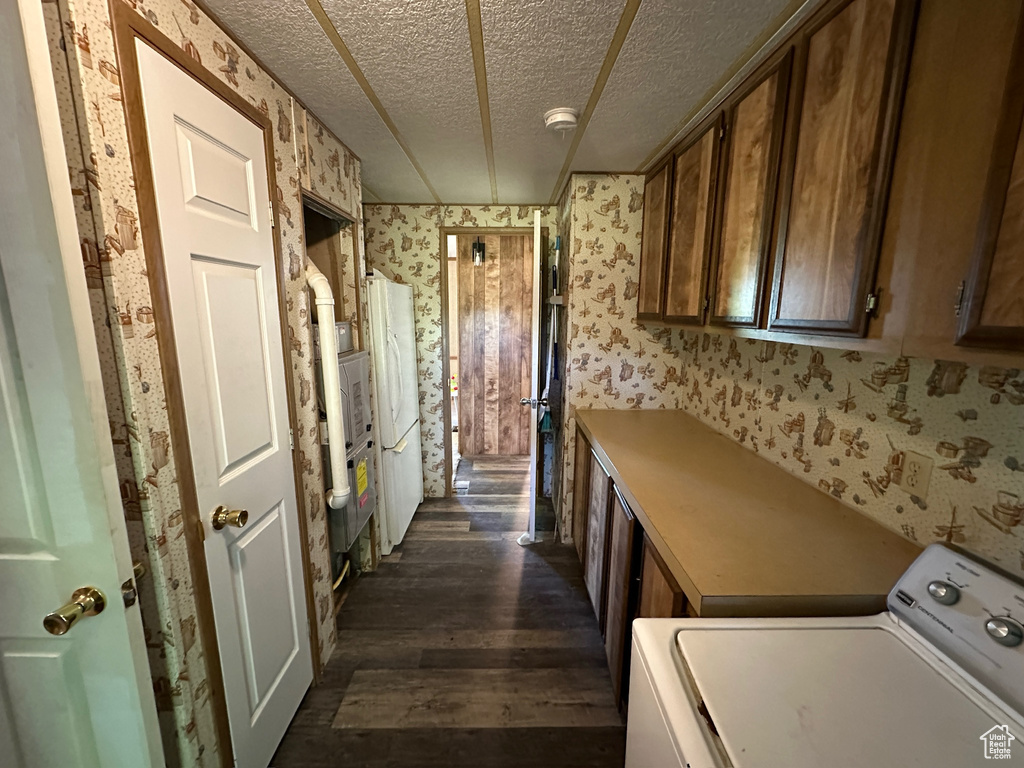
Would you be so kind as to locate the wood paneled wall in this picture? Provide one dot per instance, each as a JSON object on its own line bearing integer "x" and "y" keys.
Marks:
{"x": 495, "y": 330}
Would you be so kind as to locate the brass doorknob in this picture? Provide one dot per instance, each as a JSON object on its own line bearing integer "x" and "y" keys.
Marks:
{"x": 236, "y": 518}
{"x": 87, "y": 601}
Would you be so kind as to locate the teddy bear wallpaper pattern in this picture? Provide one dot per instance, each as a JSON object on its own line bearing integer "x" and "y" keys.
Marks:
{"x": 93, "y": 121}
{"x": 843, "y": 420}
{"x": 840, "y": 420}
{"x": 404, "y": 242}
{"x": 610, "y": 360}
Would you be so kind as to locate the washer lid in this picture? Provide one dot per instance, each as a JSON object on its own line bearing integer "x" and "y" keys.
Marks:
{"x": 850, "y": 696}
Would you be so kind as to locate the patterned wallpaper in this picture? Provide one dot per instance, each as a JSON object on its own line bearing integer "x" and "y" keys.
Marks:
{"x": 611, "y": 361}
{"x": 93, "y": 120}
{"x": 840, "y": 420}
{"x": 404, "y": 241}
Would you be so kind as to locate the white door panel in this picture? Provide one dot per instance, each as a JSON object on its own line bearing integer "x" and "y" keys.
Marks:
{"x": 212, "y": 193}
{"x": 83, "y": 699}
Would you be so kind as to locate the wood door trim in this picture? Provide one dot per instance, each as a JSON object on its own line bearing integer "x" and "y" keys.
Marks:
{"x": 127, "y": 26}
{"x": 668, "y": 165}
{"x": 446, "y": 367}
{"x": 326, "y": 208}
{"x": 714, "y": 122}
{"x": 783, "y": 70}
{"x": 970, "y": 330}
{"x": 896, "y": 73}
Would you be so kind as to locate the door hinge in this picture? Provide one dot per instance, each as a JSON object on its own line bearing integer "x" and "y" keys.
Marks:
{"x": 871, "y": 302}
{"x": 291, "y": 439}
{"x": 721, "y": 133}
{"x": 958, "y": 307}
{"x": 270, "y": 205}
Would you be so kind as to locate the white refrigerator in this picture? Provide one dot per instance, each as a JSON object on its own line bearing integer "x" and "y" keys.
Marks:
{"x": 395, "y": 376}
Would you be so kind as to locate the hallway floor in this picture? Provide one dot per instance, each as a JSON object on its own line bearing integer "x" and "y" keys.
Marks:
{"x": 465, "y": 649}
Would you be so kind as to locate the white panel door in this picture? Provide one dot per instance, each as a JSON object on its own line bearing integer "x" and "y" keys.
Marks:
{"x": 83, "y": 699}
{"x": 212, "y": 195}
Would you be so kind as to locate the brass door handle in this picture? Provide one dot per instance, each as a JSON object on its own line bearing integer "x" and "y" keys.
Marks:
{"x": 87, "y": 601}
{"x": 222, "y": 517}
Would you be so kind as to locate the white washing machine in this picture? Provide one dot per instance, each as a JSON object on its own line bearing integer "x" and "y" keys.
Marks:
{"x": 937, "y": 681}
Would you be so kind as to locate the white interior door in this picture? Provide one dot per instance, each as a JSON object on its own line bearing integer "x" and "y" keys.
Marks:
{"x": 213, "y": 196}
{"x": 83, "y": 699}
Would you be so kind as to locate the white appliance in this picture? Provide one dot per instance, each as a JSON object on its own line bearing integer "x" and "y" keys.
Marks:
{"x": 395, "y": 374}
{"x": 936, "y": 681}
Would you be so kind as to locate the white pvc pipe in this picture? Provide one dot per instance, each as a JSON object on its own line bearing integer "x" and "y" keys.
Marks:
{"x": 337, "y": 497}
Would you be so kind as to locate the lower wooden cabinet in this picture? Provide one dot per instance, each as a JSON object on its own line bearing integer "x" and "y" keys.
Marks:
{"x": 624, "y": 576}
{"x": 660, "y": 595}
{"x": 621, "y": 592}
{"x": 595, "y": 562}
{"x": 581, "y": 495}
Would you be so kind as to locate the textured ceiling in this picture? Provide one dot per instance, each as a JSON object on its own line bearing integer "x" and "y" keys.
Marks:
{"x": 412, "y": 113}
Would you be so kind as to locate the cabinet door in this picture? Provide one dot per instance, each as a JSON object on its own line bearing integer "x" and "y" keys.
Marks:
{"x": 693, "y": 195}
{"x": 993, "y": 311}
{"x": 621, "y": 600}
{"x": 581, "y": 496}
{"x": 654, "y": 243}
{"x": 660, "y": 595}
{"x": 594, "y": 565}
{"x": 841, "y": 138}
{"x": 746, "y": 198}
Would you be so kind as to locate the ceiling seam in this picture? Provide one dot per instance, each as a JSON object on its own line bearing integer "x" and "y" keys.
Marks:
{"x": 339, "y": 45}
{"x": 625, "y": 22}
{"x": 371, "y": 193}
{"x": 760, "y": 49}
{"x": 476, "y": 43}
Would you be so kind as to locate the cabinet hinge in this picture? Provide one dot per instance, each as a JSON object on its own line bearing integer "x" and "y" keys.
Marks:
{"x": 871, "y": 303}
{"x": 721, "y": 133}
{"x": 270, "y": 206}
{"x": 958, "y": 307}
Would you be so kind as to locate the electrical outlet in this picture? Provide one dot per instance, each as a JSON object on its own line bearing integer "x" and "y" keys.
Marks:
{"x": 917, "y": 473}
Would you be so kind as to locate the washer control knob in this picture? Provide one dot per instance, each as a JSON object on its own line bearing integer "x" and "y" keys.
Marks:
{"x": 944, "y": 592}
{"x": 1005, "y": 631}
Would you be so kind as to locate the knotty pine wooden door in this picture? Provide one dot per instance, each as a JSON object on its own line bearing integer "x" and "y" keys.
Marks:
{"x": 495, "y": 330}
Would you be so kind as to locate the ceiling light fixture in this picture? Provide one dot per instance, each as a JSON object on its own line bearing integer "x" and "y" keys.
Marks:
{"x": 561, "y": 119}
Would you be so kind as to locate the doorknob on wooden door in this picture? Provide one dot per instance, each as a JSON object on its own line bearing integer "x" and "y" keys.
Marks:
{"x": 533, "y": 403}
{"x": 87, "y": 601}
{"x": 223, "y": 517}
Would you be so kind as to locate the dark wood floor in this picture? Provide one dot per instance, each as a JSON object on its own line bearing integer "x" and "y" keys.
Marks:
{"x": 464, "y": 649}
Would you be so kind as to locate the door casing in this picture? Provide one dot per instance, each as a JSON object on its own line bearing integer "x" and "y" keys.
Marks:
{"x": 127, "y": 26}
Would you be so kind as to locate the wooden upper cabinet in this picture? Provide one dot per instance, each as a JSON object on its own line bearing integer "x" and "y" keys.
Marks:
{"x": 746, "y": 197}
{"x": 851, "y": 69}
{"x": 652, "y": 249}
{"x": 992, "y": 313}
{"x": 693, "y": 195}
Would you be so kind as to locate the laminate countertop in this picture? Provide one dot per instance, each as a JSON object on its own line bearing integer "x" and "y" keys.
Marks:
{"x": 742, "y": 536}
